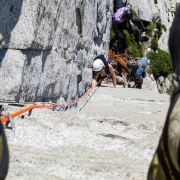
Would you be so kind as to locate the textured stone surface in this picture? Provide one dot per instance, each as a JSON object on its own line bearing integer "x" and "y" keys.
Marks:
{"x": 114, "y": 136}
{"x": 50, "y": 43}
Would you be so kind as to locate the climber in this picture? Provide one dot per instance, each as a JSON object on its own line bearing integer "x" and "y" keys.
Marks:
{"x": 166, "y": 161}
{"x": 102, "y": 69}
{"x": 136, "y": 70}
{"x": 124, "y": 19}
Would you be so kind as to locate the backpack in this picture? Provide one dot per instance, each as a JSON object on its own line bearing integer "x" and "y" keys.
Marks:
{"x": 119, "y": 4}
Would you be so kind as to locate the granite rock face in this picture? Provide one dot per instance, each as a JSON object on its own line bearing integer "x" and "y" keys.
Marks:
{"x": 49, "y": 43}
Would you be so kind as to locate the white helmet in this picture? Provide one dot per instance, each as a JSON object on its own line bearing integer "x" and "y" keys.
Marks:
{"x": 98, "y": 65}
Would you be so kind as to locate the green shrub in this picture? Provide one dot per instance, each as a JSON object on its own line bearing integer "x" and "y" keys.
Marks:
{"x": 134, "y": 12}
{"x": 112, "y": 33}
{"x": 134, "y": 50}
{"x": 155, "y": 1}
{"x": 172, "y": 12}
{"x": 159, "y": 27}
{"x": 154, "y": 44}
{"x": 151, "y": 26}
{"x": 164, "y": 27}
{"x": 160, "y": 63}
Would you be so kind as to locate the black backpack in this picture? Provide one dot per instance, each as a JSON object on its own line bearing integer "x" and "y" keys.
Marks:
{"x": 119, "y": 4}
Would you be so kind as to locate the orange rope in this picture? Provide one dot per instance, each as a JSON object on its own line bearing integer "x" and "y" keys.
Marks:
{"x": 6, "y": 118}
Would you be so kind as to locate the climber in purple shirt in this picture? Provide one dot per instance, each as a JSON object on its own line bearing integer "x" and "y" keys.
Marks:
{"x": 118, "y": 16}
{"x": 125, "y": 20}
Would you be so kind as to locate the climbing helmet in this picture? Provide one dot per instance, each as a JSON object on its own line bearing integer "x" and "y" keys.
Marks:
{"x": 98, "y": 65}
{"x": 131, "y": 64}
{"x": 128, "y": 14}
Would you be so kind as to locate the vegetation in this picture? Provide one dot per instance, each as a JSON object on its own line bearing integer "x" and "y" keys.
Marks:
{"x": 164, "y": 27}
{"x": 134, "y": 50}
{"x": 155, "y": 1}
{"x": 112, "y": 33}
{"x": 156, "y": 35}
{"x": 172, "y": 12}
{"x": 159, "y": 28}
{"x": 161, "y": 63}
{"x": 134, "y": 12}
{"x": 154, "y": 44}
{"x": 151, "y": 26}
